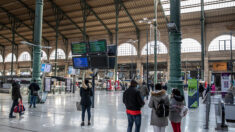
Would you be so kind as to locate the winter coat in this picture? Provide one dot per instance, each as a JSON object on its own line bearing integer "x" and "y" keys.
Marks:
{"x": 33, "y": 88}
{"x": 176, "y": 105}
{"x": 16, "y": 91}
{"x": 144, "y": 90}
{"x": 132, "y": 99}
{"x": 153, "y": 103}
{"x": 86, "y": 94}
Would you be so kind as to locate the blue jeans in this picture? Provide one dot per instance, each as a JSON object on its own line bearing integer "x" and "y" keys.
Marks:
{"x": 131, "y": 120}
{"x": 84, "y": 109}
{"x": 33, "y": 100}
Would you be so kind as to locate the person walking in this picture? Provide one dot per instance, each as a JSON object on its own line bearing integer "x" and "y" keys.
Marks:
{"x": 16, "y": 95}
{"x": 201, "y": 90}
{"x": 86, "y": 93}
{"x": 144, "y": 90}
{"x": 133, "y": 102}
{"x": 159, "y": 102}
{"x": 34, "y": 87}
{"x": 176, "y": 106}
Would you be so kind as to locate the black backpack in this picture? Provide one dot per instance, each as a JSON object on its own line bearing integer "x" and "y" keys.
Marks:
{"x": 162, "y": 110}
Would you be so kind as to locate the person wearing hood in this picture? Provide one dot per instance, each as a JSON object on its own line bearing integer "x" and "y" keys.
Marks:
{"x": 133, "y": 102}
{"x": 86, "y": 93}
{"x": 176, "y": 106}
{"x": 15, "y": 96}
{"x": 159, "y": 123}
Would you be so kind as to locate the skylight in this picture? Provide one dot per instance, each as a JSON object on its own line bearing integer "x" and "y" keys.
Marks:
{"x": 189, "y": 6}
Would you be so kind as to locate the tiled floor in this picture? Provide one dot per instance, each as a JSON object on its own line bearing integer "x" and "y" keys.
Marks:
{"x": 59, "y": 114}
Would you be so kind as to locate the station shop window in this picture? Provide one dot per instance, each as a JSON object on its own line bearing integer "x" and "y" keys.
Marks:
{"x": 60, "y": 54}
{"x": 25, "y": 56}
{"x": 222, "y": 43}
{"x": 161, "y": 48}
{"x": 190, "y": 45}
{"x": 9, "y": 56}
{"x": 126, "y": 49}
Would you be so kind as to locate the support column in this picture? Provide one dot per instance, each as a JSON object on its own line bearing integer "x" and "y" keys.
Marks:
{"x": 168, "y": 67}
{"x": 175, "y": 48}
{"x": 13, "y": 25}
{"x": 202, "y": 39}
{"x": 37, "y": 41}
{"x": 140, "y": 69}
{"x": 207, "y": 70}
{"x": 155, "y": 41}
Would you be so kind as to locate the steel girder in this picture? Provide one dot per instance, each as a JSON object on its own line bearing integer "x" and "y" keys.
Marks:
{"x": 69, "y": 18}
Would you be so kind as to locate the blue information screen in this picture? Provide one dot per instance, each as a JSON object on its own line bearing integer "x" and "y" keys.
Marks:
{"x": 80, "y": 62}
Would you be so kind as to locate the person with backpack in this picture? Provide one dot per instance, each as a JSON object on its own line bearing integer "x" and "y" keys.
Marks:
{"x": 16, "y": 95}
{"x": 34, "y": 87}
{"x": 176, "y": 108}
{"x": 144, "y": 90}
{"x": 133, "y": 102}
{"x": 159, "y": 102}
{"x": 86, "y": 93}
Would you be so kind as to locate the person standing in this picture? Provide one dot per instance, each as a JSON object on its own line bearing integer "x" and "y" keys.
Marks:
{"x": 133, "y": 102}
{"x": 201, "y": 90}
{"x": 34, "y": 87}
{"x": 144, "y": 90}
{"x": 158, "y": 99}
{"x": 176, "y": 106}
{"x": 15, "y": 96}
{"x": 86, "y": 93}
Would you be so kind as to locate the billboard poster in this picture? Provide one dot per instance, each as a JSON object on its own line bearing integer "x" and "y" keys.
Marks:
{"x": 225, "y": 82}
{"x": 68, "y": 84}
{"x": 193, "y": 95}
{"x": 47, "y": 86}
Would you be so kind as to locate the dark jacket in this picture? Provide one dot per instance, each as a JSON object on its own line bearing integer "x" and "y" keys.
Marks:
{"x": 132, "y": 99}
{"x": 86, "y": 94}
{"x": 34, "y": 87}
{"x": 156, "y": 97}
{"x": 144, "y": 90}
{"x": 16, "y": 91}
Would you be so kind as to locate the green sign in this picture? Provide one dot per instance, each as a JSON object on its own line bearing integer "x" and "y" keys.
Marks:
{"x": 79, "y": 48}
{"x": 193, "y": 98}
{"x": 98, "y": 46}
{"x": 192, "y": 86}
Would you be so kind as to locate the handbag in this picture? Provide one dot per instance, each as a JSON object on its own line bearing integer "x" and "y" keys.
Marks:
{"x": 19, "y": 108}
{"x": 183, "y": 111}
{"x": 79, "y": 106}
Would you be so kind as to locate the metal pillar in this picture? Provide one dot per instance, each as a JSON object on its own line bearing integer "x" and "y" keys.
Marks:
{"x": 155, "y": 42}
{"x": 117, "y": 7}
{"x": 147, "y": 60}
{"x": 175, "y": 48}
{"x": 37, "y": 41}
{"x": 231, "y": 59}
{"x": 202, "y": 39}
{"x": 85, "y": 14}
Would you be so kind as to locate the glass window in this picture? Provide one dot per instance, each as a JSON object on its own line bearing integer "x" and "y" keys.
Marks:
{"x": 25, "y": 56}
{"x": 222, "y": 42}
{"x": 190, "y": 45}
{"x": 60, "y": 54}
{"x": 70, "y": 54}
{"x": 9, "y": 56}
{"x": 126, "y": 49}
{"x": 43, "y": 55}
{"x": 161, "y": 48}
{"x": 1, "y": 59}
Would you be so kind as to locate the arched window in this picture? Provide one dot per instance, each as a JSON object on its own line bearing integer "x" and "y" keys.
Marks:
{"x": 190, "y": 45}
{"x": 161, "y": 48}
{"x": 70, "y": 54}
{"x": 25, "y": 56}
{"x": 43, "y": 55}
{"x": 1, "y": 59}
{"x": 222, "y": 42}
{"x": 60, "y": 54}
{"x": 126, "y": 49}
{"x": 8, "y": 57}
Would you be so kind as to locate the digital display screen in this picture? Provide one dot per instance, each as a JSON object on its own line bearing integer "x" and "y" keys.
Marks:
{"x": 100, "y": 62}
{"x": 46, "y": 68}
{"x": 79, "y": 48}
{"x": 99, "y": 46}
{"x": 112, "y": 61}
{"x": 80, "y": 62}
{"x": 112, "y": 50}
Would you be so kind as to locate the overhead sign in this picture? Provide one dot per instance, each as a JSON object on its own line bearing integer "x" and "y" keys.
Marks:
{"x": 79, "y": 48}
{"x": 220, "y": 66}
{"x": 46, "y": 68}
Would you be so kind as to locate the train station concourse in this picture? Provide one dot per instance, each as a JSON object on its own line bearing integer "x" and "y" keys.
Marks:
{"x": 117, "y": 65}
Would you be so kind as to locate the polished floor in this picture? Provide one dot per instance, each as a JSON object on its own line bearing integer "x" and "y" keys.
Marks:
{"x": 59, "y": 114}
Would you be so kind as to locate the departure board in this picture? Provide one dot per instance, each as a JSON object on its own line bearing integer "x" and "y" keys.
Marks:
{"x": 99, "y": 46}
{"x": 79, "y": 48}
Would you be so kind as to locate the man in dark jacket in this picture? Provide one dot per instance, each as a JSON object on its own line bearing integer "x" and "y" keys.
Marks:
{"x": 133, "y": 101}
{"x": 15, "y": 96}
{"x": 34, "y": 87}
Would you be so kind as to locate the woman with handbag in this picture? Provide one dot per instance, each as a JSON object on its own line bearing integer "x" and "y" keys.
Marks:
{"x": 86, "y": 93}
{"x": 159, "y": 115}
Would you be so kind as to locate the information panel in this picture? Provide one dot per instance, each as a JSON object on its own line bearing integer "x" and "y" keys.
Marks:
{"x": 99, "y": 46}
{"x": 80, "y": 63}
{"x": 47, "y": 84}
{"x": 79, "y": 48}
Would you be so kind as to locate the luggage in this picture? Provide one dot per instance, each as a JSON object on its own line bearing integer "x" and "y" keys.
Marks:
{"x": 20, "y": 108}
